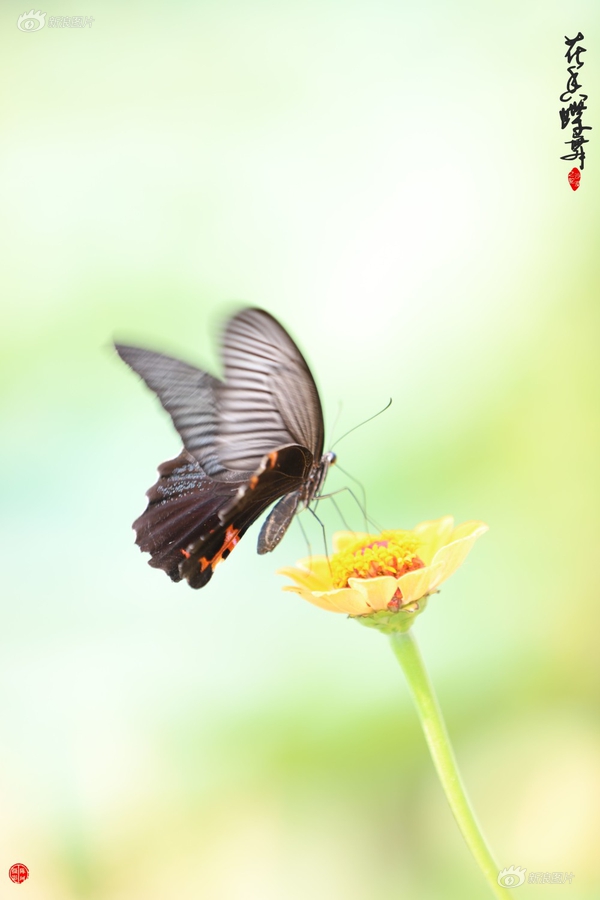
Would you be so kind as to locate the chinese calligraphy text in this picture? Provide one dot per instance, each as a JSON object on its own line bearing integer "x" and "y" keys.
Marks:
{"x": 571, "y": 113}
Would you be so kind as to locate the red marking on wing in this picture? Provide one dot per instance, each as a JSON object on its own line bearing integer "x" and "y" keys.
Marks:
{"x": 232, "y": 536}
{"x": 185, "y": 553}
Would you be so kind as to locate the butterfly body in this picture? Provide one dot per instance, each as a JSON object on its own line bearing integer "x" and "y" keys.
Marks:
{"x": 251, "y": 439}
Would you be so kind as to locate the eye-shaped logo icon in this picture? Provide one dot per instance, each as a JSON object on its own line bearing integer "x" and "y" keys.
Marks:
{"x": 512, "y": 877}
{"x": 31, "y": 21}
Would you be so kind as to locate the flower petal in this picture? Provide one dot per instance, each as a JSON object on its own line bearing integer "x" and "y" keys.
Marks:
{"x": 419, "y": 582}
{"x": 376, "y": 592}
{"x": 343, "y": 600}
{"x": 317, "y": 598}
{"x": 466, "y": 529}
{"x": 348, "y": 601}
{"x": 343, "y": 539}
{"x": 454, "y": 554}
{"x": 433, "y": 535}
{"x": 313, "y": 573}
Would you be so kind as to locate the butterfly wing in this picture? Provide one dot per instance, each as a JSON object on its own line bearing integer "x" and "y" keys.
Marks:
{"x": 192, "y": 522}
{"x": 183, "y": 507}
{"x": 188, "y": 395}
{"x": 281, "y": 472}
{"x": 249, "y": 440}
{"x": 268, "y": 398}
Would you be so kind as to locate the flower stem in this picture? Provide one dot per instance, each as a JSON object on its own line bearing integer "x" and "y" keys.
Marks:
{"x": 408, "y": 655}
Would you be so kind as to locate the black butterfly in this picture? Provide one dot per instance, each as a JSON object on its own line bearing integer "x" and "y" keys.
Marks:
{"x": 248, "y": 440}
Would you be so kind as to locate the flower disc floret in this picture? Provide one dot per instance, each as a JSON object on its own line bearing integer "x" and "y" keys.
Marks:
{"x": 390, "y": 553}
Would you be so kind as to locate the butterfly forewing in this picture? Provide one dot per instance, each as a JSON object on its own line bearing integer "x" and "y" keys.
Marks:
{"x": 187, "y": 394}
{"x": 268, "y": 398}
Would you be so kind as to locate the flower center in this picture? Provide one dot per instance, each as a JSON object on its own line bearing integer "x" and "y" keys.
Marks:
{"x": 390, "y": 553}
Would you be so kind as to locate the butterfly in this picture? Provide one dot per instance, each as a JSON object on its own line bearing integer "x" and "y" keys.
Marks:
{"x": 248, "y": 440}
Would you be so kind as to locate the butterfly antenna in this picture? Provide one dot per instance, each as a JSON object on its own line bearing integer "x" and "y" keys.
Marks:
{"x": 360, "y": 424}
{"x": 337, "y": 417}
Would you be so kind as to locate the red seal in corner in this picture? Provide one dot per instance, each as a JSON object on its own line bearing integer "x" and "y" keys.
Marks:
{"x": 18, "y": 873}
{"x": 574, "y": 178}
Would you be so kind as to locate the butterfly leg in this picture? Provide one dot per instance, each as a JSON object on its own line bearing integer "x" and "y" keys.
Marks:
{"x": 331, "y": 496}
{"x": 368, "y": 521}
{"x": 305, "y": 536}
{"x": 363, "y": 506}
{"x": 311, "y": 510}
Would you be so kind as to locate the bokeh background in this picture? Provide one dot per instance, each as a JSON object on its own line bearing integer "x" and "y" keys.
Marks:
{"x": 384, "y": 178}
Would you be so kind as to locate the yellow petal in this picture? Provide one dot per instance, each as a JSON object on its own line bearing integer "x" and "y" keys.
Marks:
{"x": 376, "y": 592}
{"x": 454, "y": 554}
{"x": 433, "y": 535}
{"x": 312, "y": 573}
{"x": 467, "y": 529}
{"x": 348, "y": 601}
{"x": 419, "y": 582}
{"x": 343, "y": 539}
{"x": 343, "y": 600}
{"x": 317, "y": 599}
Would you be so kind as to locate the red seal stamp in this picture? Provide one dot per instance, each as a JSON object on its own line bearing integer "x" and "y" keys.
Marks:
{"x": 574, "y": 177}
{"x": 18, "y": 873}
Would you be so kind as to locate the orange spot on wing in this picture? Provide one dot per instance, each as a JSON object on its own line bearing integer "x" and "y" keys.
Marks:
{"x": 253, "y": 482}
{"x": 232, "y": 536}
{"x": 272, "y": 458}
{"x": 185, "y": 553}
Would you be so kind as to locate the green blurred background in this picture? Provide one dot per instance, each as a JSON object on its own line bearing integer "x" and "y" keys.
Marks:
{"x": 384, "y": 178}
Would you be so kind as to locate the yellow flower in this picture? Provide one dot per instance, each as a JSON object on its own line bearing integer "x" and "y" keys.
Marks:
{"x": 381, "y": 575}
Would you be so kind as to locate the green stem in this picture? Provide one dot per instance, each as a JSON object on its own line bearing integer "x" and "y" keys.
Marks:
{"x": 407, "y": 654}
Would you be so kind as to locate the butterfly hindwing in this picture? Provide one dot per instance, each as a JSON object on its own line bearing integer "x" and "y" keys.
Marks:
{"x": 183, "y": 505}
{"x": 281, "y": 472}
